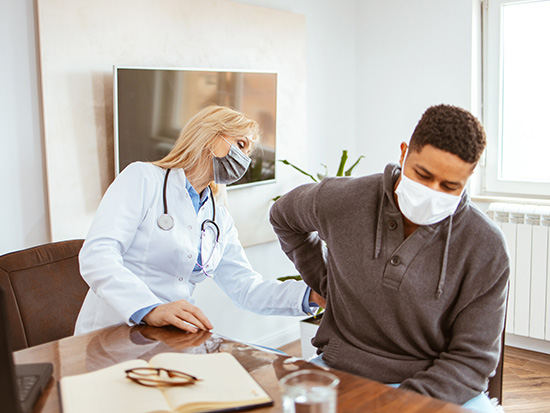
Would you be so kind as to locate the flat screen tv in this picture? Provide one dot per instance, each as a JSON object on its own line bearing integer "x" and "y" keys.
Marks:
{"x": 151, "y": 106}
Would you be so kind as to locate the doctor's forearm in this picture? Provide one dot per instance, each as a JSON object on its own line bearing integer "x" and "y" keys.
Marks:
{"x": 138, "y": 316}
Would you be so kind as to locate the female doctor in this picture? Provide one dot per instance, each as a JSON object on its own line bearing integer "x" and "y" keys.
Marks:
{"x": 159, "y": 231}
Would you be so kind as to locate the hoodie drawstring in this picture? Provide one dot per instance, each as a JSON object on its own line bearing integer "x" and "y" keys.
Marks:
{"x": 443, "y": 273}
{"x": 378, "y": 246}
{"x": 388, "y": 180}
{"x": 379, "y": 229}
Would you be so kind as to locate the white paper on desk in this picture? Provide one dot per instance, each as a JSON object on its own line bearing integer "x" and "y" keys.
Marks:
{"x": 224, "y": 384}
{"x": 109, "y": 391}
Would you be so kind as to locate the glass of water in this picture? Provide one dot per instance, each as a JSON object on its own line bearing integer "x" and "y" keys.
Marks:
{"x": 309, "y": 391}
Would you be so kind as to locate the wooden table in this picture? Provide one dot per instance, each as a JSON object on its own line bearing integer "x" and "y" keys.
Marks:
{"x": 89, "y": 352}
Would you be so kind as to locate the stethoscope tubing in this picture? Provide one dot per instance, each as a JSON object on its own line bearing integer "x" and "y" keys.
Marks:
{"x": 164, "y": 202}
{"x": 166, "y": 222}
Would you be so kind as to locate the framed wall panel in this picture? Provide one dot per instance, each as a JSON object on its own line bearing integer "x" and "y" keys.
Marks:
{"x": 81, "y": 41}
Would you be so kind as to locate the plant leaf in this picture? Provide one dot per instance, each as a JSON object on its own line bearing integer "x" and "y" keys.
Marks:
{"x": 350, "y": 170}
{"x": 298, "y": 169}
{"x": 290, "y": 277}
{"x": 323, "y": 176}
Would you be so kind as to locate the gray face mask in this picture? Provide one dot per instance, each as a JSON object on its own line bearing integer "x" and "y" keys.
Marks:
{"x": 231, "y": 167}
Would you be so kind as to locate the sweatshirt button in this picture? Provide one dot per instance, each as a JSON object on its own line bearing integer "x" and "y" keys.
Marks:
{"x": 392, "y": 224}
{"x": 395, "y": 260}
{"x": 190, "y": 256}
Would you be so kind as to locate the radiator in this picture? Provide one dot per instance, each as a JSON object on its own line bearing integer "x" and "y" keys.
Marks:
{"x": 527, "y": 232}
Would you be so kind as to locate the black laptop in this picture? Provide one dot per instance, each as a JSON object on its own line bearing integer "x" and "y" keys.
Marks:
{"x": 21, "y": 384}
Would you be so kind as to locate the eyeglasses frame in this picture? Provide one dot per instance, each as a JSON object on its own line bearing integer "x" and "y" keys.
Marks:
{"x": 158, "y": 381}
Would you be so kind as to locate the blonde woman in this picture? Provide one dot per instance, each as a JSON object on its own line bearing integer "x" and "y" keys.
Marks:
{"x": 158, "y": 232}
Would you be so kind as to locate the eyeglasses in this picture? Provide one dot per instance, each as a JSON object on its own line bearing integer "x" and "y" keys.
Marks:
{"x": 155, "y": 377}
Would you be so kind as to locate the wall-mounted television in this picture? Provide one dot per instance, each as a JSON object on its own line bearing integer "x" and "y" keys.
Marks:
{"x": 151, "y": 106}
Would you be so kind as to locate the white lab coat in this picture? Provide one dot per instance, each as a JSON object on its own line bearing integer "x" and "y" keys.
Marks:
{"x": 130, "y": 263}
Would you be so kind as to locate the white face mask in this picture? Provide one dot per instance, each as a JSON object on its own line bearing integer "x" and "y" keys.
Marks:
{"x": 422, "y": 205}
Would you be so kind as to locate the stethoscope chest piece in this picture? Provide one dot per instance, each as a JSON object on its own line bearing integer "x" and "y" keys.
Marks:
{"x": 165, "y": 222}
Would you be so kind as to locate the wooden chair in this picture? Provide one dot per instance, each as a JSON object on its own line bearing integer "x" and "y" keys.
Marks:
{"x": 44, "y": 292}
{"x": 495, "y": 382}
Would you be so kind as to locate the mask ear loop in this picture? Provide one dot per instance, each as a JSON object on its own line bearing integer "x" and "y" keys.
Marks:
{"x": 221, "y": 136}
{"x": 229, "y": 143}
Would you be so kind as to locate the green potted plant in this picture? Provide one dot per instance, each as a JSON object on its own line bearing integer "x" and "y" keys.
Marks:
{"x": 309, "y": 326}
{"x": 342, "y": 171}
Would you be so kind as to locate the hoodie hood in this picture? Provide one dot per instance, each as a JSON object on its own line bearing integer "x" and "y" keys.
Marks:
{"x": 387, "y": 202}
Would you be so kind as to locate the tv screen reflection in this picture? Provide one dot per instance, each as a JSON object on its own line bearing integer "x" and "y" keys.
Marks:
{"x": 153, "y": 105}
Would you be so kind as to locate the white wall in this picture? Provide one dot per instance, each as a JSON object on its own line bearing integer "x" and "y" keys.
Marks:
{"x": 410, "y": 55}
{"x": 77, "y": 61}
{"x": 330, "y": 60}
{"x": 23, "y": 210}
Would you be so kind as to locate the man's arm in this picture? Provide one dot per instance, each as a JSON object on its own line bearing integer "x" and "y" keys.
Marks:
{"x": 295, "y": 220}
{"x": 461, "y": 372}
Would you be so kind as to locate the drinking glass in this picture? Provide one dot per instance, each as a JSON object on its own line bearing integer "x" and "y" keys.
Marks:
{"x": 309, "y": 391}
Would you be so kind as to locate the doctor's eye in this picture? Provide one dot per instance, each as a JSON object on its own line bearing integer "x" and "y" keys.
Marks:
{"x": 244, "y": 146}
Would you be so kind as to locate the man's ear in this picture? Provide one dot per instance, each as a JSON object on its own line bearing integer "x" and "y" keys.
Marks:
{"x": 404, "y": 148}
{"x": 474, "y": 166}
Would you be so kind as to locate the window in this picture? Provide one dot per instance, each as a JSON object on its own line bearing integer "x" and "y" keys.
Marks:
{"x": 516, "y": 102}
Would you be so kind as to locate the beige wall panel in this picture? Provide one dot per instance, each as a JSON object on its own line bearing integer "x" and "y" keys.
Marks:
{"x": 81, "y": 41}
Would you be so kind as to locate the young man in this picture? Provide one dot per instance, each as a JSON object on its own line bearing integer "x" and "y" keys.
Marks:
{"x": 414, "y": 275}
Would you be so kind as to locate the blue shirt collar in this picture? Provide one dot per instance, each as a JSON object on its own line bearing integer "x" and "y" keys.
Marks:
{"x": 198, "y": 201}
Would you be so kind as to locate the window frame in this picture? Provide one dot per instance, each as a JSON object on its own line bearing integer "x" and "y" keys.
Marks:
{"x": 491, "y": 182}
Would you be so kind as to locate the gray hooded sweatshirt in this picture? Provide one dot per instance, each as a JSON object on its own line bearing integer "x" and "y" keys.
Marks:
{"x": 426, "y": 311}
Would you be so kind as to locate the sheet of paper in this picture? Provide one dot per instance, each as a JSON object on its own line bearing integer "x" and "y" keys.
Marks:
{"x": 109, "y": 391}
{"x": 223, "y": 379}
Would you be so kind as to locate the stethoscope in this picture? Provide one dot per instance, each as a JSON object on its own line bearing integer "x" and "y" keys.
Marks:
{"x": 166, "y": 222}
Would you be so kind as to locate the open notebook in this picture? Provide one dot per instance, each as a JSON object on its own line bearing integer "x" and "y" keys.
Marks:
{"x": 20, "y": 384}
{"x": 224, "y": 386}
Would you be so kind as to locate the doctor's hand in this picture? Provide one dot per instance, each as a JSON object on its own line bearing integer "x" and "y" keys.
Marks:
{"x": 317, "y": 299}
{"x": 179, "y": 314}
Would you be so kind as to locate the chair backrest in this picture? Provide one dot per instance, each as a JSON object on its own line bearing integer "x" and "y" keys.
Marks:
{"x": 44, "y": 292}
{"x": 495, "y": 383}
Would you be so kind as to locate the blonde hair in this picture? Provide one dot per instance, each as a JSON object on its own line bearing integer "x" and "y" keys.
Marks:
{"x": 192, "y": 150}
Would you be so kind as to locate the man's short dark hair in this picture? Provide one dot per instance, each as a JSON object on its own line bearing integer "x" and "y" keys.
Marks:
{"x": 451, "y": 129}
